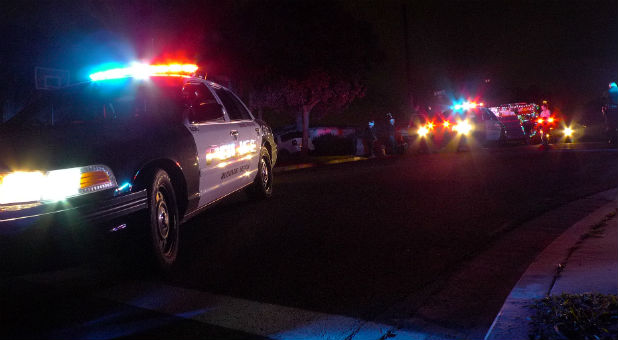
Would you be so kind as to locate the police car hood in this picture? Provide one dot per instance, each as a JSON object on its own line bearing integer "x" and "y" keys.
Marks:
{"x": 48, "y": 148}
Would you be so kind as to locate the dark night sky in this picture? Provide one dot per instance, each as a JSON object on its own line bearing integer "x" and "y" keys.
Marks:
{"x": 567, "y": 49}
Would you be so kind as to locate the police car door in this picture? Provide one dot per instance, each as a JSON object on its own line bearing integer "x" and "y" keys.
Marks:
{"x": 211, "y": 131}
{"x": 248, "y": 140}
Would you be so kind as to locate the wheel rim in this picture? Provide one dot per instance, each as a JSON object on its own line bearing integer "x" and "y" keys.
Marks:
{"x": 265, "y": 174}
{"x": 165, "y": 230}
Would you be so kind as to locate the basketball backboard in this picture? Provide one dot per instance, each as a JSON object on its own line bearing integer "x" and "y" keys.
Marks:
{"x": 50, "y": 78}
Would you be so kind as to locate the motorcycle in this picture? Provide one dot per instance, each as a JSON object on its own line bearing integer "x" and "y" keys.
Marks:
{"x": 545, "y": 127}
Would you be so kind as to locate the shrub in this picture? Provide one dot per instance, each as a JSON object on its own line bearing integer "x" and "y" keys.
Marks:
{"x": 575, "y": 316}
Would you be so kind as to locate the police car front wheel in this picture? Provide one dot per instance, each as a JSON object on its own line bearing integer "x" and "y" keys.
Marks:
{"x": 164, "y": 223}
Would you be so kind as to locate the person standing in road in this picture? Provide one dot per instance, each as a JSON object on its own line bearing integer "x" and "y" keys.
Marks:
{"x": 390, "y": 132}
{"x": 370, "y": 138}
{"x": 545, "y": 112}
{"x": 610, "y": 111}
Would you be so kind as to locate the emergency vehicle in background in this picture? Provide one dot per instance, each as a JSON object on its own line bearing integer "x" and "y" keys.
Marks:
{"x": 459, "y": 127}
{"x": 518, "y": 116}
{"x": 143, "y": 147}
{"x": 537, "y": 127}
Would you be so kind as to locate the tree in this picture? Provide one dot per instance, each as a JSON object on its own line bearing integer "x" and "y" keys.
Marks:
{"x": 331, "y": 92}
{"x": 303, "y": 57}
{"x": 264, "y": 98}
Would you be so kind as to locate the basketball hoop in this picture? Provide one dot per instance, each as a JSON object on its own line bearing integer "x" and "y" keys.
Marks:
{"x": 50, "y": 78}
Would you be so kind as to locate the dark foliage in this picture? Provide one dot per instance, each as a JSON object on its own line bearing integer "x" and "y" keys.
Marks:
{"x": 575, "y": 316}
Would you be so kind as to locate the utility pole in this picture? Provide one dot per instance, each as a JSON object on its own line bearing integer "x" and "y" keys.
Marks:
{"x": 406, "y": 46}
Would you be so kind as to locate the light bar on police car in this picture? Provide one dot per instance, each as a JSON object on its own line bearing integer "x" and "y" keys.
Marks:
{"x": 52, "y": 186}
{"x": 143, "y": 71}
{"x": 467, "y": 106}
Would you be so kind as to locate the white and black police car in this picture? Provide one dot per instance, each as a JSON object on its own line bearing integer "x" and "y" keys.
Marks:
{"x": 153, "y": 141}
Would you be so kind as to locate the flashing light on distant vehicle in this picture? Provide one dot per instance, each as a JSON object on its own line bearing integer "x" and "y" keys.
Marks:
{"x": 463, "y": 127}
{"x": 144, "y": 71}
{"x": 423, "y": 131}
{"x": 549, "y": 120}
{"x": 446, "y": 124}
{"x": 467, "y": 106}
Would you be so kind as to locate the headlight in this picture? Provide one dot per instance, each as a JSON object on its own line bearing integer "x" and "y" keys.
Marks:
{"x": 56, "y": 185}
{"x": 423, "y": 131}
{"x": 463, "y": 127}
{"x": 568, "y": 132}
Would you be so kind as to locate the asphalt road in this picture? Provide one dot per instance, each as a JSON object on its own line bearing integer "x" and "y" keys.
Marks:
{"x": 402, "y": 242}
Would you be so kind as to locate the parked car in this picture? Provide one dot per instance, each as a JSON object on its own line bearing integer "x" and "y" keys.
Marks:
{"x": 290, "y": 143}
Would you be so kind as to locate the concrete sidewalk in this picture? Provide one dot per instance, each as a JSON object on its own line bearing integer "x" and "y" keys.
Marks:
{"x": 584, "y": 259}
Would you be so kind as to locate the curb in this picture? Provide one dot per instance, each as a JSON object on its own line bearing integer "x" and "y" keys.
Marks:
{"x": 315, "y": 164}
{"x": 512, "y": 320}
{"x": 294, "y": 167}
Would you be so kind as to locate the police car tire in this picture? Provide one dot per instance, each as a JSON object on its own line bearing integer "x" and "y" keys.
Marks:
{"x": 163, "y": 221}
{"x": 262, "y": 186}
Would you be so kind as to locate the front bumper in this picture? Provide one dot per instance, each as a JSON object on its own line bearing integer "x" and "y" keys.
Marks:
{"x": 70, "y": 213}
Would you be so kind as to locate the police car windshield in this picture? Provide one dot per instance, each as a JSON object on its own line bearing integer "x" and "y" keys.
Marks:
{"x": 100, "y": 103}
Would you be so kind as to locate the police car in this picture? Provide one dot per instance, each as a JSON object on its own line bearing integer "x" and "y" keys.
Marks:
{"x": 458, "y": 128}
{"x": 152, "y": 141}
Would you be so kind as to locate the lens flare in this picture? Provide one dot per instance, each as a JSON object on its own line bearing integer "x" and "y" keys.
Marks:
{"x": 55, "y": 185}
{"x": 463, "y": 127}
{"x": 423, "y": 131}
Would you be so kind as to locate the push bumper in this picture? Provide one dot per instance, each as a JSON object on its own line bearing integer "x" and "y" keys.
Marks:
{"x": 16, "y": 220}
